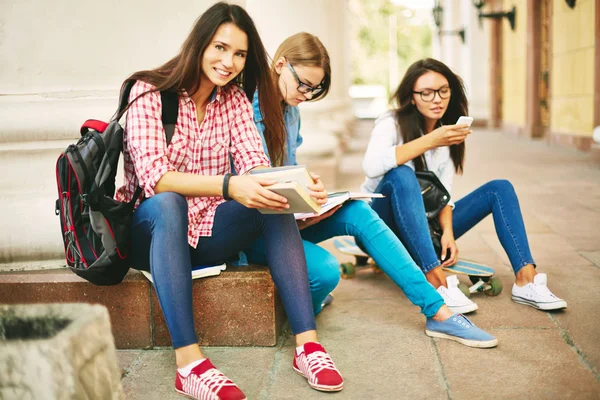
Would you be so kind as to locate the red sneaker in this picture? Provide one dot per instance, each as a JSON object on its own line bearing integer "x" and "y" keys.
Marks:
{"x": 205, "y": 382}
{"x": 315, "y": 365}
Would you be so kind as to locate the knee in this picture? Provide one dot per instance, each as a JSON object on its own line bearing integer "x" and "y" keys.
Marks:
{"x": 403, "y": 180}
{"x": 357, "y": 209}
{"x": 402, "y": 173}
{"x": 327, "y": 274}
{"x": 501, "y": 186}
{"x": 171, "y": 205}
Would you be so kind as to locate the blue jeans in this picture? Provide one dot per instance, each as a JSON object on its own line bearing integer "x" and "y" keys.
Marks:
{"x": 403, "y": 211}
{"x": 356, "y": 218}
{"x": 160, "y": 245}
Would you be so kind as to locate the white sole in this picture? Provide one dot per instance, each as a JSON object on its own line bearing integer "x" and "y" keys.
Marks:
{"x": 463, "y": 309}
{"x": 557, "y": 305}
{"x": 470, "y": 343}
{"x": 320, "y": 387}
{"x": 193, "y": 397}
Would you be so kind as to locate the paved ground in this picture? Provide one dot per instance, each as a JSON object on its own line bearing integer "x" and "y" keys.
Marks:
{"x": 376, "y": 336}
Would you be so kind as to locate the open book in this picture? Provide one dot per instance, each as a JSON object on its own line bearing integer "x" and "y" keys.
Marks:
{"x": 337, "y": 198}
{"x": 291, "y": 184}
{"x": 199, "y": 271}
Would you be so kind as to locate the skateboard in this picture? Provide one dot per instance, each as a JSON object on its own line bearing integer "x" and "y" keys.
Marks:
{"x": 481, "y": 276}
{"x": 348, "y": 246}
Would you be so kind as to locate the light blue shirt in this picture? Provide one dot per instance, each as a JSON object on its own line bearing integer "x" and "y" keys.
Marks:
{"x": 291, "y": 119}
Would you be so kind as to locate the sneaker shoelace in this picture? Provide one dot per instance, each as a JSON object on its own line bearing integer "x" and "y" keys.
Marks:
{"x": 317, "y": 362}
{"x": 543, "y": 292}
{"x": 456, "y": 295}
{"x": 207, "y": 385}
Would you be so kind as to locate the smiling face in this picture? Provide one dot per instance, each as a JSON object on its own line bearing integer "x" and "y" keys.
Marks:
{"x": 225, "y": 56}
{"x": 288, "y": 84}
{"x": 434, "y": 86}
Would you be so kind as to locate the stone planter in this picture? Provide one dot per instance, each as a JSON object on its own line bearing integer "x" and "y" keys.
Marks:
{"x": 57, "y": 351}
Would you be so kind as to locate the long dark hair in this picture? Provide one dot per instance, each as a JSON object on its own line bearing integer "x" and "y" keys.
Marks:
{"x": 410, "y": 121}
{"x": 184, "y": 70}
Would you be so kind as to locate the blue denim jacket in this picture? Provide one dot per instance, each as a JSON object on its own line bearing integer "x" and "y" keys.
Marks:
{"x": 291, "y": 118}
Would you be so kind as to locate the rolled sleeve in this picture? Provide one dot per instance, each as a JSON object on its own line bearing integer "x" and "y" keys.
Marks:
{"x": 146, "y": 140}
{"x": 380, "y": 156}
{"x": 246, "y": 145}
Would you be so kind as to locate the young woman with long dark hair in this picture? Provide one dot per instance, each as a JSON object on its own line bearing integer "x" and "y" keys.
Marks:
{"x": 194, "y": 211}
{"x": 420, "y": 134}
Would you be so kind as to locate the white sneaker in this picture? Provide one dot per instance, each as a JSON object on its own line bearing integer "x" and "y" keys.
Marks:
{"x": 456, "y": 300}
{"x": 537, "y": 295}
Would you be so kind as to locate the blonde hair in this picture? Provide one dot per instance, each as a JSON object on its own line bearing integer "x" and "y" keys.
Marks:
{"x": 306, "y": 50}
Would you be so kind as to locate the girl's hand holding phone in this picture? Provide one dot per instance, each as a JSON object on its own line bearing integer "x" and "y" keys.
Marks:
{"x": 449, "y": 135}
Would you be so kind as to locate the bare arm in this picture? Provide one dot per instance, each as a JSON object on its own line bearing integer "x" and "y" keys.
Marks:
{"x": 446, "y": 135}
{"x": 413, "y": 149}
{"x": 246, "y": 190}
{"x": 190, "y": 185}
{"x": 449, "y": 249}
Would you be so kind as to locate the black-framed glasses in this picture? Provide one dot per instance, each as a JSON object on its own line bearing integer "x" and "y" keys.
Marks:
{"x": 303, "y": 87}
{"x": 429, "y": 94}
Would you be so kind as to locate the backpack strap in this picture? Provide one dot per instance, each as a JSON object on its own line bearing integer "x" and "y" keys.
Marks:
{"x": 170, "y": 107}
{"x": 170, "y": 110}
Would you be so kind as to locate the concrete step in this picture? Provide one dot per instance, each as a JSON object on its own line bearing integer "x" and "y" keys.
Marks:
{"x": 28, "y": 191}
{"x": 239, "y": 307}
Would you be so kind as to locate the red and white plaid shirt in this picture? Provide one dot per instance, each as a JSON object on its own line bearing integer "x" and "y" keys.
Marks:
{"x": 227, "y": 128}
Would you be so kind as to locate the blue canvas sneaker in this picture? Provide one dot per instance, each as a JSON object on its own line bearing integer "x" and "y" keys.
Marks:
{"x": 328, "y": 300}
{"x": 461, "y": 329}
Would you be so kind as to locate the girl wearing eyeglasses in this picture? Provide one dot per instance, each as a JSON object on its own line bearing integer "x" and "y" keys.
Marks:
{"x": 303, "y": 73}
{"x": 419, "y": 134}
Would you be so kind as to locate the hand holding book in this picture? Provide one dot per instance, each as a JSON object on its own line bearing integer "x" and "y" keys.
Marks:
{"x": 251, "y": 192}
{"x": 304, "y": 192}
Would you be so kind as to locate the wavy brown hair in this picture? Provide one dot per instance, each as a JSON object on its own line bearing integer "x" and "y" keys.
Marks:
{"x": 183, "y": 72}
{"x": 306, "y": 50}
{"x": 411, "y": 123}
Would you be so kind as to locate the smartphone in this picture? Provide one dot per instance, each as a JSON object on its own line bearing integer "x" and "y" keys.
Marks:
{"x": 465, "y": 120}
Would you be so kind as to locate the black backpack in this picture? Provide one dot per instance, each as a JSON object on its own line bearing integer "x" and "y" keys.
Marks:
{"x": 96, "y": 228}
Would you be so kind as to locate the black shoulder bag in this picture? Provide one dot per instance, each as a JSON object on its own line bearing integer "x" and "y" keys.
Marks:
{"x": 435, "y": 198}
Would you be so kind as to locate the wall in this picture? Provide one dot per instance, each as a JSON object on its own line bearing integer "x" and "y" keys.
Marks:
{"x": 514, "y": 65}
{"x": 572, "y": 73}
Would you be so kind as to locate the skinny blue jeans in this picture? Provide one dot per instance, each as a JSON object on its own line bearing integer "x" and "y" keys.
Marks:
{"x": 356, "y": 218}
{"x": 160, "y": 245}
{"x": 403, "y": 211}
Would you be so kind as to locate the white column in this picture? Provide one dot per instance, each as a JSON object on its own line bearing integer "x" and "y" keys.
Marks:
{"x": 62, "y": 62}
{"x": 477, "y": 64}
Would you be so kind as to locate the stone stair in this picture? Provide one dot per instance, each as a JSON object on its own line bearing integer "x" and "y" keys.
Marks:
{"x": 239, "y": 307}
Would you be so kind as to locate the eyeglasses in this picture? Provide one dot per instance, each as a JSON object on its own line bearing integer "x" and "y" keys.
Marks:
{"x": 303, "y": 87}
{"x": 429, "y": 94}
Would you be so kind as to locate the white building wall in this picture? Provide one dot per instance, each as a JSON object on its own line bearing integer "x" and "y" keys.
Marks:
{"x": 470, "y": 60}
{"x": 63, "y": 61}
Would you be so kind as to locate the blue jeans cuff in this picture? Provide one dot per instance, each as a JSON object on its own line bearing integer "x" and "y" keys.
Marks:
{"x": 431, "y": 266}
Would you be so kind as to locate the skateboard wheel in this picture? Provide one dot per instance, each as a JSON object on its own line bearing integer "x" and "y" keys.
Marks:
{"x": 361, "y": 260}
{"x": 348, "y": 270}
{"x": 465, "y": 289}
{"x": 495, "y": 287}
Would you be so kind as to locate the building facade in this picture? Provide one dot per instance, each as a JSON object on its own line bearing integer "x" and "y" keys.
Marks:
{"x": 543, "y": 67}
